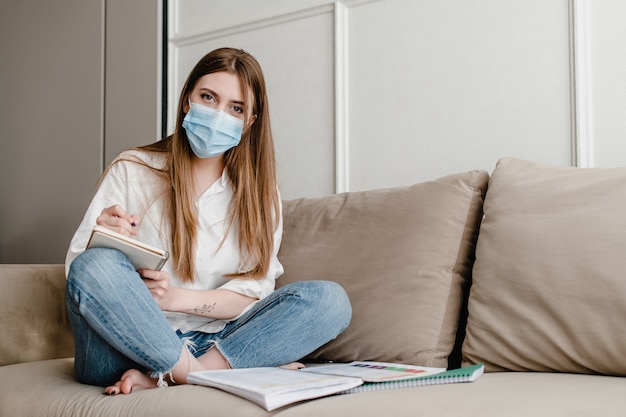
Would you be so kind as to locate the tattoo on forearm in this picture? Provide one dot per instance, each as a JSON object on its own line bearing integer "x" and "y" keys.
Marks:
{"x": 203, "y": 309}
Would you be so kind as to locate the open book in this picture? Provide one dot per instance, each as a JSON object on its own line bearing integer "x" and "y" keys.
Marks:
{"x": 140, "y": 254}
{"x": 272, "y": 388}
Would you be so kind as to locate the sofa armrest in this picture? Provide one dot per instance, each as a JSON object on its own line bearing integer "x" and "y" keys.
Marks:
{"x": 33, "y": 317}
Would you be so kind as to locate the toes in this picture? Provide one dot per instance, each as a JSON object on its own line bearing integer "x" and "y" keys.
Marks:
{"x": 293, "y": 366}
{"x": 113, "y": 389}
{"x": 131, "y": 379}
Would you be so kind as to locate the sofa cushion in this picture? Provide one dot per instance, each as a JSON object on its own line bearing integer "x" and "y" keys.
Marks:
{"x": 549, "y": 292}
{"x": 403, "y": 256}
{"x": 48, "y": 388}
{"x": 34, "y": 321}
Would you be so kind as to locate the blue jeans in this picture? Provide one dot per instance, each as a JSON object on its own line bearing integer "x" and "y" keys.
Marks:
{"x": 117, "y": 325}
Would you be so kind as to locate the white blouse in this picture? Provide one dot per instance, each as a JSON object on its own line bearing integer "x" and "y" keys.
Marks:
{"x": 138, "y": 191}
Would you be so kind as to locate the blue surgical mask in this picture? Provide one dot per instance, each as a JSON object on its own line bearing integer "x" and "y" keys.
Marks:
{"x": 211, "y": 132}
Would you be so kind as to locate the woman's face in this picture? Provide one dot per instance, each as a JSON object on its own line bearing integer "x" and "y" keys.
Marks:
{"x": 221, "y": 91}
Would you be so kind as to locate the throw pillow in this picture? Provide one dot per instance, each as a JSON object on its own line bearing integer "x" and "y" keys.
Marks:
{"x": 403, "y": 255}
{"x": 548, "y": 290}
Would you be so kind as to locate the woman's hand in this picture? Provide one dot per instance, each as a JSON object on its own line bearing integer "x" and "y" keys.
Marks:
{"x": 158, "y": 282}
{"x": 116, "y": 219}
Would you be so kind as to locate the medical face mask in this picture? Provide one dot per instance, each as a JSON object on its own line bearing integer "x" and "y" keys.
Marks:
{"x": 211, "y": 132}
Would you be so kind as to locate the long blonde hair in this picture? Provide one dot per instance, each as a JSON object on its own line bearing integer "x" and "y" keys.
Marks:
{"x": 250, "y": 166}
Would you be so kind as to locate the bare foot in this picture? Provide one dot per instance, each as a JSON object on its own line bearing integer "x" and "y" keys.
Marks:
{"x": 131, "y": 379}
{"x": 293, "y": 365}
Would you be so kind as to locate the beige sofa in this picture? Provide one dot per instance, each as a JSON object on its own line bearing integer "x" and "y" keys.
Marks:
{"x": 542, "y": 275}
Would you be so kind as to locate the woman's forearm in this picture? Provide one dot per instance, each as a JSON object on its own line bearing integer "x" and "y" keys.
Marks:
{"x": 215, "y": 304}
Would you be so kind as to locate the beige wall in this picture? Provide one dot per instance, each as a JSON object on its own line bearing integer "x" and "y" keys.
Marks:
{"x": 79, "y": 82}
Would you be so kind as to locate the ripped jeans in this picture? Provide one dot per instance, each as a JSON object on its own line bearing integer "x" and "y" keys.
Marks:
{"x": 117, "y": 325}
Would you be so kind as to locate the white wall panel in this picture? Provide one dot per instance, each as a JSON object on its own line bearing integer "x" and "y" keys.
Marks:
{"x": 443, "y": 86}
{"x": 607, "y": 73}
{"x": 295, "y": 51}
{"x": 408, "y": 90}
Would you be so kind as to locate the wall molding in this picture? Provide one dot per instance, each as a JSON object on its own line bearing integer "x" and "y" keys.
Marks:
{"x": 581, "y": 84}
{"x": 191, "y": 39}
{"x": 342, "y": 125}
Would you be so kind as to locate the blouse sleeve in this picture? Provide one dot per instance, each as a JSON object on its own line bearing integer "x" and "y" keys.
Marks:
{"x": 112, "y": 190}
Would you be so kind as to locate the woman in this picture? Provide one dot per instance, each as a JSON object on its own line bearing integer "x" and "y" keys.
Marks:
{"x": 208, "y": 195}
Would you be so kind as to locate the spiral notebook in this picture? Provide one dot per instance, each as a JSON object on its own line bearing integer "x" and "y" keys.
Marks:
{"x": 454, "y": 376}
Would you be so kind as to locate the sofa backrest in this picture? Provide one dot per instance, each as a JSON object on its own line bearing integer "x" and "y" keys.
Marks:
{"x": 33, "y": 317}
{"x": 404, "y": 255}
{"x": 546, "y": 273}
